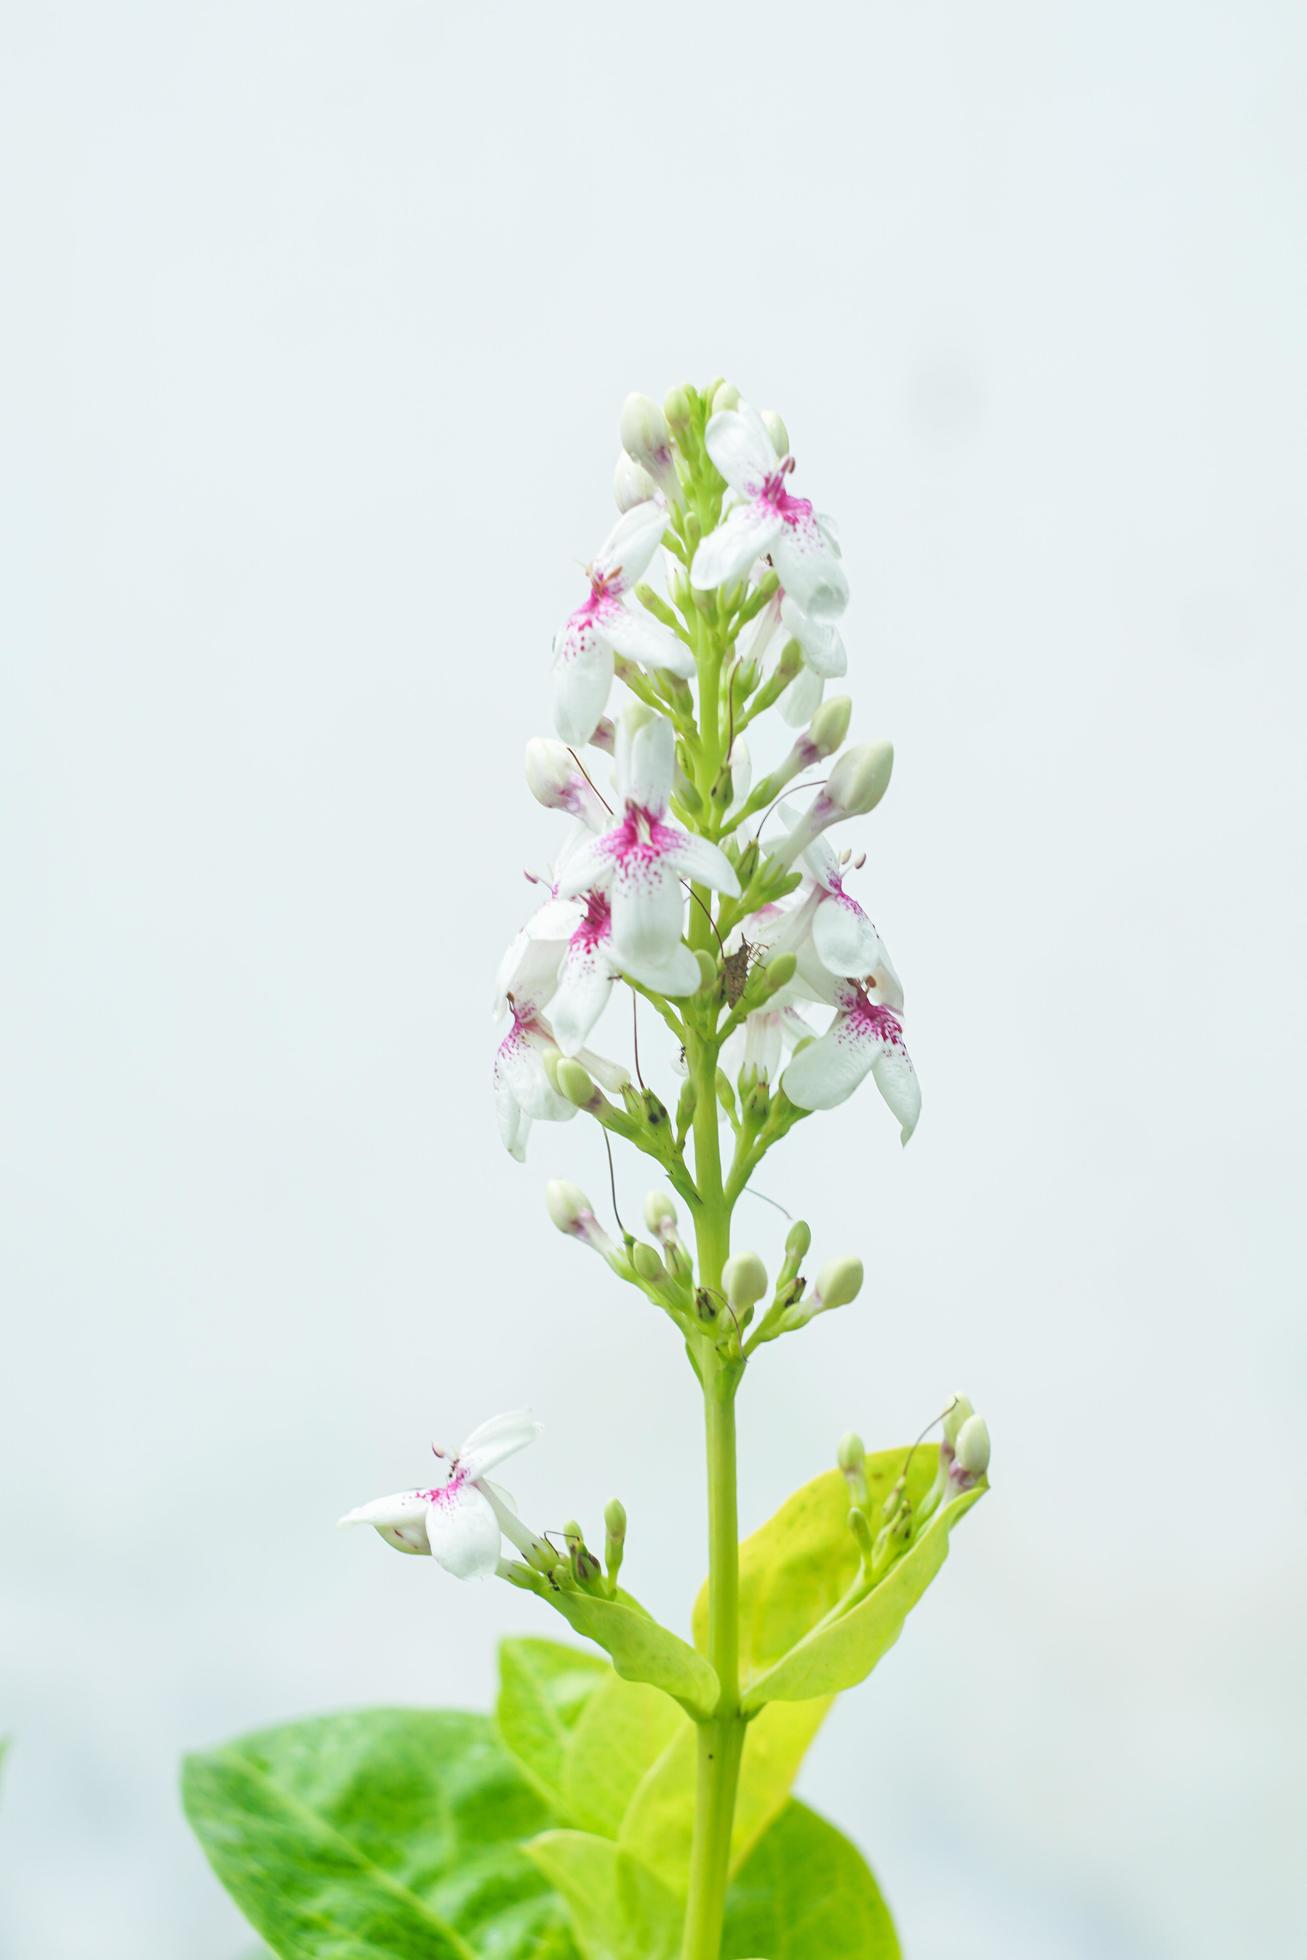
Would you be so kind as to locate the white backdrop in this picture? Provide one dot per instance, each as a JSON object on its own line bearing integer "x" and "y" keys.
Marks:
{"x": 318, "y": 322}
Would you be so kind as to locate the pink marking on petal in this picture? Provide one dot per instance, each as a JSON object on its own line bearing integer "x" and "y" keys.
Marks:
{"x": 794, "y": 511}
{"x": 597, "y": 924}
{"x": 641, "y": 838}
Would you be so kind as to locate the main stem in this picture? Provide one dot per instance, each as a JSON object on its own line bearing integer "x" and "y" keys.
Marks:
{"x": 720, "y": 1739}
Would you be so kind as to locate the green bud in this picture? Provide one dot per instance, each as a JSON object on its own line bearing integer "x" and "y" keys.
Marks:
{"x": 861, "y": 1530}
{"x": 575, "y": 1083}
{"x": 647, "y": 1263}
{"x": 726, "y": 395}
{"x": 725, "y": 1093}
{"x": 744, "y": 1279}
{"x": 660, "y": 1216}
{"x": 614, "y": 1538}
{"x": 678, "y": 1262}
{"x": 959, "y": 1411}
{"x": 860, "y": 778}
{"x": 747, "y": 864}
{"x": 973, "y": 1447}
{"x": 778, "y": 973}
{"x": 797, "y": 1242}
{"x": 686, "y": 1103}
{"x": 851, "y": 1455}
{"x": 830, "y": 724}
{"x": 678, "y": 408}
{"x": 838, "y": 1282}
{"x": 707, "y": 970}
{"x": 686, "y": 793}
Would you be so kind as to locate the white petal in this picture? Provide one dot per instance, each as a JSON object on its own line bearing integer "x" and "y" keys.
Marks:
{"x": 585, "y": 981}
{"x": 588, "y": 868}
{"x": 738, "y": 442}
{"x": 702, "y": 863}
{"x": 529, "y": 969}
{"x": 582, "y": 677}
{"x": 609, "y": 1075}
{"x": 762, "y": 1043}
{"x": 810, "y": 571}
{"x": 492, "y": 1442}
{"x": 399, "y": 1519}
{"x": 631, "y": 543}
{"x": 520, "y": 1063}
{"x": 829, "y": 1069}
{"x": 897, "y": 1081}
{"x": 823, "y": 648}
{"x": 819, "y": 859}
{"x": 846, "y": 940}
{"x": 646, "y": 757}
{"x": 636, "y": 635}
{"x": 674, "y": 974}
{"x": 557, "y": 918}
{"x": 463, "y": 1531}
{"x": 741, "y": 765}
{"x": 514, "y": 1123}
{"x": 727, "y": 553}
{"x": 802, "y": 698}
{"x": 648, "y": 907}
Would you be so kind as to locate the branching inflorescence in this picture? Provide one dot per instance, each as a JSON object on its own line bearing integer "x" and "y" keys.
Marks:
{"x": 720, "y": 903}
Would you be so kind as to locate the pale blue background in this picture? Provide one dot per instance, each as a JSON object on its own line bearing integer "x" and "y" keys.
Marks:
{"x": 318, "y": 322}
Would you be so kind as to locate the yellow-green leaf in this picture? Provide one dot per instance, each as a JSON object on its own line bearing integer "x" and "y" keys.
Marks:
{"x": 544, "y": 1688}
{"x": 641, "y": 1649}
{"x": 619, "y": 1910}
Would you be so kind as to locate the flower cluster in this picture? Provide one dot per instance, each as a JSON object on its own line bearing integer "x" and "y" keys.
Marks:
{"x": 651, "y": 834}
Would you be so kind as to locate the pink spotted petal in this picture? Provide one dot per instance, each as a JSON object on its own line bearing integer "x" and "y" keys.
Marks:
{"x": 463, "y": 1531}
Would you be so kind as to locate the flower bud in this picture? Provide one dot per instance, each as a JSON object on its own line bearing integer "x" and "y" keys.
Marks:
{"x": 860, "y": 778}
{"x": 959, "y": 1412}
{"x": 725, "y": 395}
{"x": 614, "y": 1538}
{"x": 829, "y": 726}
{"x": 647, "y": 440}
{"x": 776, "y": 429}
{"x": 647, "y": 1264}
{"x": 575, "y": 1083}
{"x": 838, "y": 1282}
{"x": 632, "y": 483}
{"x": 660, "y": 1217}
{"x": 554, "y": 779}
{"x": 605, "y": 736}
{"x": 851, "y": 1456}
{"x": 972, "y": 1447}
{"x": 677, "y": 408}
{"x": 744, "y": 1280}
{"x": 574, "y": 1216}
{"x": 862, "y": 1535}
{"x": 778, "y": 973}
{"x": 725, "y": 1093}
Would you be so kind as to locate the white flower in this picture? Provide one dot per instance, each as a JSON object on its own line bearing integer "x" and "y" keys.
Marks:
{"x": 842, "y": 936}
{"x": 459, "y": 1523}
{"x": 605, "y": 625}
{"x": 528, "y": 979}
{"x": 767, "y": 520}
{"x": 821, "y": 647}
{"x": 866, "y": 1035}
{"x": 557, "y": 780}
{"x": 641, "y": 858}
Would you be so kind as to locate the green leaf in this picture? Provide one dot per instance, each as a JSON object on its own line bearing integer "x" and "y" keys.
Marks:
{"x": 641, "y": 1649}
{"x": 393, "y": 1834}
{"x": 619, "y": 1910}
{"x": 801, "y": 1564}
{"x": 544, "y": 1688}
{"x": 659, "y": 1823}
{"x": 806, "y": 1891}
{"x": 624, "y": 1730}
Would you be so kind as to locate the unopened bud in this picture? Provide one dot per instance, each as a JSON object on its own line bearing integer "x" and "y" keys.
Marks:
{"x": 686, "y": 1104}
{"x": 797, "y": 1242}
{"x": 851, "y": 1456}
{"x": 748, "y": 863}
{"x": 972, "y": 1449}
{"x": 725, "y": 1093}
{"x": 829, "y": 726}
{"x": 677, "y": 408}
{"x": 838, "y": 1282}
{"x": 632, "y": 483}
{"x": 776, "y": 429}
{"x": 725, "y": 396}
{"x": 647, "y": 1263}
{"x": 660, "y": 1216}
{"x": 554, "y": 779}
{"x": 778, "y": 973}
{"x": 614, "y": 1538}
{"x": 958, "y": 1412}
{"x": 860, "y": 778}
{"x": 862, "y": 1532}
{"x": 573, "y": 1214}
{"x": 574, "y": 1083}
{"x": 744, "y": 1279}
{"x": 647, "y": 440}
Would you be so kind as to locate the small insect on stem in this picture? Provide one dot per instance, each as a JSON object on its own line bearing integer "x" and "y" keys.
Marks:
{"x": 736, "y": 968}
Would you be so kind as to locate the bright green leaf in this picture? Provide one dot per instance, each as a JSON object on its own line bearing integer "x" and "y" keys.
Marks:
{"x": 806, "y": 1891}
{"x": 641, "y": 1649}
{"x": 801, "y": 1564}
{"x": 659, "y": 1823}
{"x": 624, "y": 1730}
{"x": 619, "y": 1910}
{"x": 840, "y": 1655}
{"x": 393, "y": 1834}
{"x": 544, "y": 1688}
